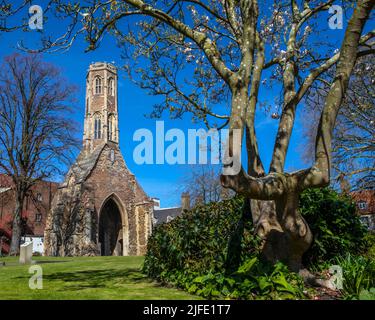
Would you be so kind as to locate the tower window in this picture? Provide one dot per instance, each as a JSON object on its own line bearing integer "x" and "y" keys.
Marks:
{"x": 97, "y": 128}
{"x": 111, "y": 87}
{"x": 98, "y": 85}
{"x": 111, "y": 128}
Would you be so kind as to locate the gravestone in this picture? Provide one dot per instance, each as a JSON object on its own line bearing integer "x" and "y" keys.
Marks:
{"x": 26, "y": 253}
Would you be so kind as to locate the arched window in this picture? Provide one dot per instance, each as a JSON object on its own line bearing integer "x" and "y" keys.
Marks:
{"x": 111, "y": 87}
{"x": 98, "y": 85}
{"x": 97, "y": 127}
{"x": 111, "y": 127}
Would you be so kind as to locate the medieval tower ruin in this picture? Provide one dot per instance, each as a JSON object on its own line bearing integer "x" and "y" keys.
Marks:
{"x": 99, "y": 209}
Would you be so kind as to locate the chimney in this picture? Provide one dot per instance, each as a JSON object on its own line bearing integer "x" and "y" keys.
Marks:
{"x": 156, "y": 202}
{"x": 185, "y": 201}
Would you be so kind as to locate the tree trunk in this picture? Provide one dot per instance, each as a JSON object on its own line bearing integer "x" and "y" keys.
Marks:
{"x": 16, "y": 228}
{"x": 286, "y": 235}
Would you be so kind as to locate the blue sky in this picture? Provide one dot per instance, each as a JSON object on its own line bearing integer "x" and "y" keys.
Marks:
{"x": 160, "y": 181}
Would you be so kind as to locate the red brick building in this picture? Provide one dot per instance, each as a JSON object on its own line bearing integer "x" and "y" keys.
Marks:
{"x": 365, "y": 202}
{"x": 36, "y": 206}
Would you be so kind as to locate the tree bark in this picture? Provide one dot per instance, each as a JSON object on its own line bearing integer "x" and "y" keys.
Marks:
{"x": 286, "y": 235}
{"x": 16, "y": 228}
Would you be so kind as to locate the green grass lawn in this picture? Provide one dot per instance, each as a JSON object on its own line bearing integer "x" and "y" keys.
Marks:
{"x": 84, "y": 278}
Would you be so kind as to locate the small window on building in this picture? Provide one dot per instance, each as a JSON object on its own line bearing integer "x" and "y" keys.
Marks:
{"x": 111, "y": 88}
{"x": 98, "y": 85}
{"x": 97, "y": 127}
{"x": 362, "y": 205}
{"x": 112, "y": 155}
{"x": 39, "y": 197}
{"x": 38, "y": 217}
{"x": 111, "y": 127}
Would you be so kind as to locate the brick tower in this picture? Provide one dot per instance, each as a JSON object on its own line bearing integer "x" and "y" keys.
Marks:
{"x": 100, "y": 208}
{"x": 101, "y": 112}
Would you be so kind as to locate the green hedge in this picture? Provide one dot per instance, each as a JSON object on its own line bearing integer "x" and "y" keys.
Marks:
{"x": 201, "y": 240}
{"x": 211, "y": 250}
{"x": 334, "y": 224}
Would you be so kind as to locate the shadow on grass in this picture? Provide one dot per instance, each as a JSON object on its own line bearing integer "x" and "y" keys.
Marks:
{"x": 17, "y": 264}
{"x": 90, "y": 279}
{"x": 47, "y": 261}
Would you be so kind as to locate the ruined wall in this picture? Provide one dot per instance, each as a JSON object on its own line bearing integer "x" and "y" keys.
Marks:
{"x": 72, "y": 227}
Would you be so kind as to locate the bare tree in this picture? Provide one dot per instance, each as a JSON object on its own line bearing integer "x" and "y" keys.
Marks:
{"x": 353, "y": 151}
{"x": 36, "y": 135}
{"x": 203, "y": 185}
{"x": 210, "y": 58}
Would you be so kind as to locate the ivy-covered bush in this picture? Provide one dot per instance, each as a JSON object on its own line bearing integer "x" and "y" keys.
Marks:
{"x": 334, "y": 224}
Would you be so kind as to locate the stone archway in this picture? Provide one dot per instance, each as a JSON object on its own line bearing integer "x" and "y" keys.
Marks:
{"x": 110, "y": 229}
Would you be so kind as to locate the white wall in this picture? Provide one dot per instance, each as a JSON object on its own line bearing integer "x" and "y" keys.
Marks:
{"x": 38, "y": 243}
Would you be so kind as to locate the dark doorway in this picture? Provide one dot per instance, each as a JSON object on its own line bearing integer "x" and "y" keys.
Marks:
{"x": 110, "y": 229}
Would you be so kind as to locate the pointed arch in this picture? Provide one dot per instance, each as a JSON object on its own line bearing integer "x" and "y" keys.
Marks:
{"x": 123, "y": 235}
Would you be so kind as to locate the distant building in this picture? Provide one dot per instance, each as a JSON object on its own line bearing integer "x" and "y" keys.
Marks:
{"x": 165, "y": 215}
{"x": 36, "y": 206}
{"x": 365, "y": 202}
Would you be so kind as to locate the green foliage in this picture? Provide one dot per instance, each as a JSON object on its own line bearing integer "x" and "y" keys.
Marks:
{"x": 334, "y": 224}
{"x": 211, "y": 251}
{"x": 370, "y": 245}
{"x": 199, "y": 240}
{"x": 253, "y": 280}
{"x": 358, "y": 275}
{"x": 367, "y": 294}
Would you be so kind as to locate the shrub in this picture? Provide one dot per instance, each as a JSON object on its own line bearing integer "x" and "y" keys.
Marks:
{"x": 370, "y": 245}
{"x": 334, "y": 224}
{"x": 211, "y": 251}
{"x": 209, "y": 238}
{"x": 254, "y": 279}
{"x": 358, "y": 275}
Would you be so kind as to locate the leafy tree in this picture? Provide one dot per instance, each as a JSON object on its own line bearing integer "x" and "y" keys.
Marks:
{"x": 210, "y": 58}
{"x": 36, "y": 137}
